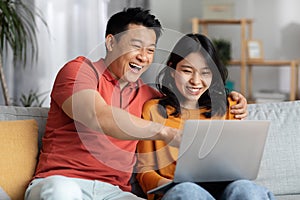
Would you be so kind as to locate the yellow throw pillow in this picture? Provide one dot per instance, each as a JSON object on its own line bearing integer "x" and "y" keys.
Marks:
{"x": 18, "y": 155}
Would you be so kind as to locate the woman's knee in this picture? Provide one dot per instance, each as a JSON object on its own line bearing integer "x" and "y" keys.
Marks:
{"x": 241, "y": 184}
{"x": 246, "y": 189}
{"x": 187, "y": 190}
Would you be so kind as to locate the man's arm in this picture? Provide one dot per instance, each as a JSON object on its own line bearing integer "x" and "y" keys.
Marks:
{"x": 89, "y": 108}
{"x": 240, "y": 109}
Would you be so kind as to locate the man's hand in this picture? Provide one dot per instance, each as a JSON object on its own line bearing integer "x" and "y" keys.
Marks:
{"x": 240, "y": 109}
{"x": 171, "y": 136}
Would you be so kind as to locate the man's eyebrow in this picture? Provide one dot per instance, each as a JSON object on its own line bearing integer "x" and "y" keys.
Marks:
{"x": 141, "y": 41}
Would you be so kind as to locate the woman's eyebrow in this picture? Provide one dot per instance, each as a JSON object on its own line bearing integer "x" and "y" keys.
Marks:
{"x": 191, "y": 67}
{"x": 186, "y": 66}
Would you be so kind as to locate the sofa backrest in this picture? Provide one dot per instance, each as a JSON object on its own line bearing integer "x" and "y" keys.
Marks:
{"x": 280, "y": 165}
{"x": 18, "y": 113}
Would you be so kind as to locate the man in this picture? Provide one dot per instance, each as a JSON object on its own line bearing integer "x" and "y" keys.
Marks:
{"x": 94, "y": 119}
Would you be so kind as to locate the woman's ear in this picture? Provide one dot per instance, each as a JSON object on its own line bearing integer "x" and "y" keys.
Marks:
{"x": 109, "y": 42}
{"x": 172, "y": 71}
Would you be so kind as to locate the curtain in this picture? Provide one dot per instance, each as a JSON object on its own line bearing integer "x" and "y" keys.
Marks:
{"x": 74, "y": 27}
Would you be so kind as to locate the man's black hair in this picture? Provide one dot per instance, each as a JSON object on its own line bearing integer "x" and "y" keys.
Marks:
{"x": 119, "y": 22}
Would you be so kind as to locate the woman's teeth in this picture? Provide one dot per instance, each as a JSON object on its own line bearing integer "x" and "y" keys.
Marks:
{"x": 193, "y": 89}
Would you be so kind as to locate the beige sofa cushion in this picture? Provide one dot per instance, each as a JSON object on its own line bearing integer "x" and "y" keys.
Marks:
{"x": 18, "y": 155}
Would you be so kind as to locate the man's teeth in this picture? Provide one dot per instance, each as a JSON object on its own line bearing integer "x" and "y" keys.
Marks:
{"x": 135, "y": 66}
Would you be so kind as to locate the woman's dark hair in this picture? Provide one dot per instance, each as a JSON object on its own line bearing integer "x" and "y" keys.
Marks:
{"x": 215, "y": 98}
{"x": 118, "y": 23}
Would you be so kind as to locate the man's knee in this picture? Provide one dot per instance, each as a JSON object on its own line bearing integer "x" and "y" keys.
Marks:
{"x": 56, "y": 187}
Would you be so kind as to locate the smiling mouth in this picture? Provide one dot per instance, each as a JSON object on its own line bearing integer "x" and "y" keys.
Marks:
{"x": 194, "y": 90}
{"x": 135, "y": 68}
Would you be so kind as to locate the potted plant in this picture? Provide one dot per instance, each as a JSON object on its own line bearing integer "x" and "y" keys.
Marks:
{"x": 18, "y": 33}
{"x": 32, "y": 99}
{"x": 223, "y": 47}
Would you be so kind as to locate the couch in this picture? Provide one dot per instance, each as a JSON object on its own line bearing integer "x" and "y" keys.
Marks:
{"x": 279, "y": 170}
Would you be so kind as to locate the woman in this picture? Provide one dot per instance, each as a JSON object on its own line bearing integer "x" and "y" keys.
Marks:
{"x": 193, "y": 87}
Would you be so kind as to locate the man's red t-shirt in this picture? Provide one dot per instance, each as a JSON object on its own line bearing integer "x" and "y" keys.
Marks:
{"x": 73, "y": 150}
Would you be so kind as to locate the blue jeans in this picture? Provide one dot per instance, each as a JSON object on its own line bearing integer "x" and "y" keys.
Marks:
{"x": 237, "y": 190}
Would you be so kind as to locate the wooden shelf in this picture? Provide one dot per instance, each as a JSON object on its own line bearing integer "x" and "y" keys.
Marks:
{"x": 274, "y": 63}
{"x": 221, "y": 21}
{"x": 243, "y": 63}
{"x": 292, "y": 64}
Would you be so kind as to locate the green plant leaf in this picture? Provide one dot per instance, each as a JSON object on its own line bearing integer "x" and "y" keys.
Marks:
{"x": 32, "y": 99}
{"x": 223, "y": 48}
{"x": 18, "y": 29}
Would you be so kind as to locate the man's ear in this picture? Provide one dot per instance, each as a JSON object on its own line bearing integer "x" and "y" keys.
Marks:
{"x": 109, "y": 42}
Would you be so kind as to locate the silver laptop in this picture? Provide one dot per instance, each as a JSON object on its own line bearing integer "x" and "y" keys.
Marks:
{"x": 219, "y": 150}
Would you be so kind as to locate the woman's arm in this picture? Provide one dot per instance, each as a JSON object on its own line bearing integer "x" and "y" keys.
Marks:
{"x": 146, "y": 155}
{"x": 147, "y": 165}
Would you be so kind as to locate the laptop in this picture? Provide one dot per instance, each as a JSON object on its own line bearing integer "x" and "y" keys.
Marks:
{"x": 219, "y": 150}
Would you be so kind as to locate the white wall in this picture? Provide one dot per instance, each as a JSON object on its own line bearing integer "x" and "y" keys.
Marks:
{"x": 276, "y": 23}
{"x": 289, "y": 31}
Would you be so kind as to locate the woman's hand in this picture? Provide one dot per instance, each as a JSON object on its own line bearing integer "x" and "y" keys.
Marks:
{"x": 163, "y": 181}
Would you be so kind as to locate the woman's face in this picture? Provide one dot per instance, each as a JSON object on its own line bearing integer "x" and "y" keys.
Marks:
{"x": 192, "y": 78}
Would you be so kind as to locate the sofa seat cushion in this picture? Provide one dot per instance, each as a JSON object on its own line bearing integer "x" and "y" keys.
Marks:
{"x": 288, "y": 197}
{"x": 18, "y": 155}
{"x": 279, "y": 170}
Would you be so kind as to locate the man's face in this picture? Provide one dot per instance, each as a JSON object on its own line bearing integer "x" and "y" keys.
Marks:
{"x": 133, "y": 53}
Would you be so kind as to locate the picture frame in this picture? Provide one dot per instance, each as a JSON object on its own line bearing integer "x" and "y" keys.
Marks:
{"x": 254, "y": 50}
